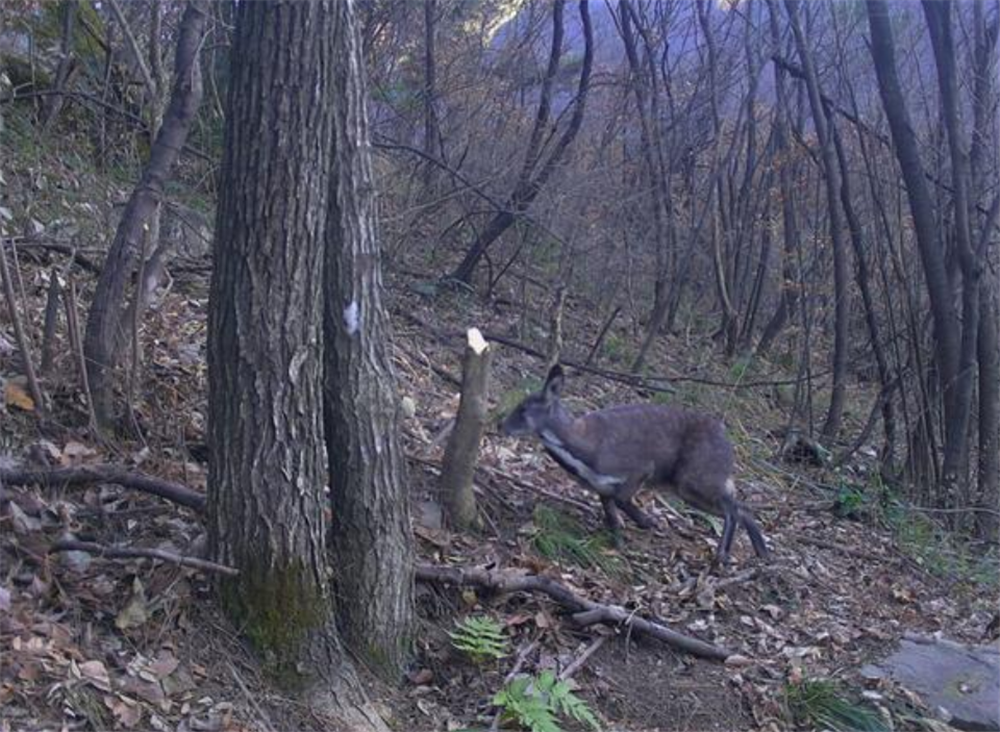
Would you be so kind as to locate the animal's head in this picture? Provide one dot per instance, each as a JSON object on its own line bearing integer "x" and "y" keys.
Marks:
{"x": 538, "y": 410}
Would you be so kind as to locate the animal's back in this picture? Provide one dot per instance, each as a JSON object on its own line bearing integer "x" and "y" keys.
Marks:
{"x": 658, "y": 440}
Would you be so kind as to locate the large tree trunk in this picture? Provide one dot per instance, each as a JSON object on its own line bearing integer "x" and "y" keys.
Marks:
{"x": 105, "y": 320}
{"x": 788, "y": 295}
{"x": 372, "y": 539}
{"x": 956, "y": 447}
{"x": 947, "y": 344}
{"x": 840, "y": 269}
{"x": 267, "y": 476}
{"x": 989, "y": 411}
{"x": 983, "y": 134}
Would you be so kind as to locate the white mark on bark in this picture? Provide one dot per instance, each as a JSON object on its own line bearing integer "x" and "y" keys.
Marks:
{"x": 352, "y": 318}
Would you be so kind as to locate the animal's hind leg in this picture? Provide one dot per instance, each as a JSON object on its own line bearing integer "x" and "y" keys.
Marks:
{"x": 635, "y": 513}
{"x": 623, "y": 499}
{"x": 611, "y": 519}
{"x": 732, "y": 520}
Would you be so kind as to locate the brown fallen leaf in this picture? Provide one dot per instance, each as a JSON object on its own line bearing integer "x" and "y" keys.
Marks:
{"x": 95, "y": 673}
{"x": 135, "y": 613}
{"x": 17, "y": 396}
{"x": 126, "y": 711}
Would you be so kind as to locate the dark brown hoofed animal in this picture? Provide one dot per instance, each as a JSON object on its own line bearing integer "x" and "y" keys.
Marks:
{"x": 615, "y": 451}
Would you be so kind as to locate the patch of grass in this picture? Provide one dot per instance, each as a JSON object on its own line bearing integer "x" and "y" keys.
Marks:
{"x": 938, "y": 550}
{"x": 741, "y": 368}
{"x": 507, "y": 401}
{"x": 663, "y": 397}
{"x": 616, "y": 348}
{"x": 818, "y": 704}
{"x": 561, "y": 539}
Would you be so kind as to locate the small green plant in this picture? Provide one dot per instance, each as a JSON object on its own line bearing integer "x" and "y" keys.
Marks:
{"x": 849, "y": 502}
{"x": 535, "y": 702}
{"x": 740, "y": 368}
{"x": 561, "y": 539}
{"x": 816, "y": 703}
{"x": 938, "y": 550}
{"x": 663, "y": 397}
{"x": 509, "y": 400}
{"x": 480, "y": 637}
{"x": 615, "y": 348}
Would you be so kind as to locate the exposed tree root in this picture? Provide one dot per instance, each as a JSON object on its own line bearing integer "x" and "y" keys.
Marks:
{"x": 175, "y": 492}
{"x": 91, "y": 547}
{"x": 584, "y": 612}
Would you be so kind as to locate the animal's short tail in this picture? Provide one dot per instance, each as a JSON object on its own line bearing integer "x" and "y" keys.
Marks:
{"x": 753, "y": 530}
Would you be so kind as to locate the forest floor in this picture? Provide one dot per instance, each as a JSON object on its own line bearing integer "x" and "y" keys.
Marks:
{"x": 89, "y": 642}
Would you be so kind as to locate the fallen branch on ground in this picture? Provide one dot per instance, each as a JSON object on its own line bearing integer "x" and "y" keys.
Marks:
{"x": 71, "y": 545}
{"x": 584, "y": 612}
{"x": 175, "y": 492}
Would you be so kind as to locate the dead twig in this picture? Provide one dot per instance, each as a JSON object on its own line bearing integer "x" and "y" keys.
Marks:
{"x": 112, "y": 552}
{"x": 174, "y": 492}
{"x": 21, "y": 335}
{"x": 522, "y": 656}
{"x": 261, "y": 714}
{"x": 578, "y": 662}
{"x": 76, "y": 343}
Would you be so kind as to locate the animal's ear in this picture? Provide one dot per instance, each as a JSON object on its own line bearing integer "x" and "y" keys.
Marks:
{"x": 554, "y": 383}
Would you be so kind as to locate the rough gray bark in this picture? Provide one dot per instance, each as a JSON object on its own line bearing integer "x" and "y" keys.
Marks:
{"x": 372, "y": 540}
{"x": 105, "y": 320}
{"x": 989, "y": 409}
{"x": 984, "y": 123}
{"x": 463, "y": 445}
{"x": 267, "y": 476}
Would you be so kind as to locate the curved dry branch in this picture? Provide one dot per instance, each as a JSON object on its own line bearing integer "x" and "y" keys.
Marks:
{"x": 584, "y": 612}
{"x": 174, "y": 492}
{"x": 113, "y": 552}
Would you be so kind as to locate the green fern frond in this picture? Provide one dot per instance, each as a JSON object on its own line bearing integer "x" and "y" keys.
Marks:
{"x": 481, "y": 637}
{"x": 534, "y": 702}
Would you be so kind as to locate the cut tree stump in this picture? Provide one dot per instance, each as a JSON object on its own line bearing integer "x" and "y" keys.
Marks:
{"x": 462, "y": 450}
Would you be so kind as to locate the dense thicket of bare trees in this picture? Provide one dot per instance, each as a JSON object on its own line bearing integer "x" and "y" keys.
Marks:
{"x": 734, "y": 162}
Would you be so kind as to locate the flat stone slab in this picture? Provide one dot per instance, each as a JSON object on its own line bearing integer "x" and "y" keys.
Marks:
{"x": 962, "y": 682}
